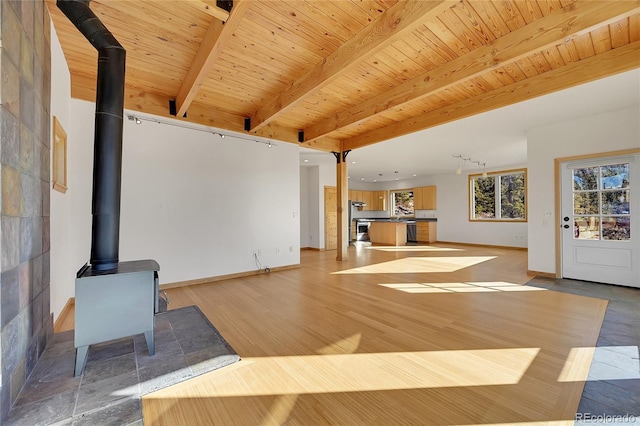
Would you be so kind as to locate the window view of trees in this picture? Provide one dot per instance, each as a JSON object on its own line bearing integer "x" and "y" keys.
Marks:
{"x": 601, "y": 202}
{"x": 485, "y": 198}
{"x": 506, "y": 204}
{"x": 402, "y": 203}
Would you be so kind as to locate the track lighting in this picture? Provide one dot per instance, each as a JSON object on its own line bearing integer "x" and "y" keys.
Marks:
{"x": 139, "y": 120}
{"x": 458, "y": 169}
{"x": 464, "y": 163}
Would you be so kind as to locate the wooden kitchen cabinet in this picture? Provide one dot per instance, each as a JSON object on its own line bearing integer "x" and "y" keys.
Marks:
{"x": 426, "y": 232}
{"x": 381, "y": 198}
{"x": 374, "y": 200}
{"x": 367, "y": 198}
{"x": 424, "y": 198}
{"x": 357, "y": 194}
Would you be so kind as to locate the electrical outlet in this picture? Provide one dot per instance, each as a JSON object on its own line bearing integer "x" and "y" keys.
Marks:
{"x": 277, "y": 250}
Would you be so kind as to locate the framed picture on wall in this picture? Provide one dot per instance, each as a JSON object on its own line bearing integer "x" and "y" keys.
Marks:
{"x": 59, "y": 176}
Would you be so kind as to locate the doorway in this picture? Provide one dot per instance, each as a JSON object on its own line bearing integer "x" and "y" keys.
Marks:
{"x": 600, "y": 219}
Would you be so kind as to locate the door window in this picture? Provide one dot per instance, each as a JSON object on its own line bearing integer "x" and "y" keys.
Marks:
{"x": 601, "y": 202}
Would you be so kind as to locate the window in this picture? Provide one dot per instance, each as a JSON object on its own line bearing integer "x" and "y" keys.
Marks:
{"x": 402, "y": 203}
{"x": 601, "y": 203}
{"x": 500, "y": 196}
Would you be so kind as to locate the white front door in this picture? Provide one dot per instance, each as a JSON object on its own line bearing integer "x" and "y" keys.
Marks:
{"x": 601, "y": 220}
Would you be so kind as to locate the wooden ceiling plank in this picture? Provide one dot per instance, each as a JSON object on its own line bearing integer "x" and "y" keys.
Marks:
{"x": 210, "y": 8}
{"x": 576, "y": 19}
{"x": 612, "y": 62}
{"x": 467, "y": 14}
{"x": 584, "y": 46}
{"x": 601, "y": 40}
{"x": 634, "y": 28}
{"x": 619, "y": 33}
{"x": 391, "y": 26}
{"x": 490, "y": 16}
{"x": 215, "y": 40}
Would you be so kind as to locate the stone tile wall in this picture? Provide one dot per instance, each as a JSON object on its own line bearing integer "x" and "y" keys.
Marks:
{"x": 25, "y": 67}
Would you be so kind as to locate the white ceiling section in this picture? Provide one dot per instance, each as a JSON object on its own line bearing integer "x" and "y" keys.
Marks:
{"x": 497, "y": 138}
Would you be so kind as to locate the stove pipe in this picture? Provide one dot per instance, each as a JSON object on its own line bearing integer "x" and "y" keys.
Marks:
{"x": 107, "y": 155}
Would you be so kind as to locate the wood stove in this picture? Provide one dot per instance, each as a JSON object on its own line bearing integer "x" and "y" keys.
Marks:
{"x": 113, "y": 304}
{"x": 113, "y": 299}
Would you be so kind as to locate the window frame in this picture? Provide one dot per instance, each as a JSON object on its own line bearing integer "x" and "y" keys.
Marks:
{"x": 392, "y": 203}
{"x": 498, "y": 205}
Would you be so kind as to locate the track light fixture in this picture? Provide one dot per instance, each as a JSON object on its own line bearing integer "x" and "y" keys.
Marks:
{"x": 464, "y": 163}
{"x": 139, "y": 120}
{"x": 458, "y": 169}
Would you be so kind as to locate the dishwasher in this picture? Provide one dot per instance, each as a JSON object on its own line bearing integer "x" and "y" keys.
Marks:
{"x": 412, "y": 233}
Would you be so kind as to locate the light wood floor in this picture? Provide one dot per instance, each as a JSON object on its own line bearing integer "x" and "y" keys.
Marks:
{"x": 441, "y": 335}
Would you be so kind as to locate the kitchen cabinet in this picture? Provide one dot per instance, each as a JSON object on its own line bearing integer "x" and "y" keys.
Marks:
{"x": 426, "y": 232}
{"x": 367, "y": 198}
{"x": 424, "y": 198}
{"x": 374, "y": 200}
{"x": 357, "y": 194}
{"x": 380, "y": 200}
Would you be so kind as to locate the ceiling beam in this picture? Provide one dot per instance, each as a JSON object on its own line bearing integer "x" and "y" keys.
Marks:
{"x": 573, "y": 20}
{"x": 395, "y": 23}
{"x": 613, "y": 62}
{"x": 215, "y": 40}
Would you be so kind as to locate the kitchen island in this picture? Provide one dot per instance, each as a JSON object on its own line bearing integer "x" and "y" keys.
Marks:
{"x": 388, "y": 232}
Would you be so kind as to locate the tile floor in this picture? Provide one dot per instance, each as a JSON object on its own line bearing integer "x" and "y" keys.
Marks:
{"x": 612, "y": 390}
{"x": 118, "y": 373}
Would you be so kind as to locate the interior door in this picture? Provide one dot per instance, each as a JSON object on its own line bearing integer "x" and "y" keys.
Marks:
{"x": 330, "y": 218}
{"x": 601, "y": 220}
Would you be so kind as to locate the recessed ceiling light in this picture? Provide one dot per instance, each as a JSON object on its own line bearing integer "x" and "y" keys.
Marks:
{"x": 361, "y": 178}
{"x": 375, "y": 180}
{"x": 414, "y": 175}
{"x": 306, "y": 161}
{"x": 353, "y": 162}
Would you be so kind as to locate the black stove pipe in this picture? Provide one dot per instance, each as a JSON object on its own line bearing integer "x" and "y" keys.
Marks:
{"x": 107, "y": 155}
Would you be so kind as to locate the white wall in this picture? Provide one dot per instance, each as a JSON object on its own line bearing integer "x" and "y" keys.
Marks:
{"x": 611, "y": 131}
{"x": 197, "y": 204}
{"x": 319, "y": 176}
{"x": 62, "y": 279}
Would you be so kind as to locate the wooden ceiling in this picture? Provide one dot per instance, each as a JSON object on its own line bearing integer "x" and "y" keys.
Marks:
{"x": 349, "y": 73}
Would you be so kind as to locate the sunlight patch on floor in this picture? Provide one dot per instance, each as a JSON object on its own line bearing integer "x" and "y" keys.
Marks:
{"x": 602, "y": 363}
{"x": 419, "y": 264}
{"x": 410, "y": 248}
{"x": 313, "y": 374}
{"x": 468, "y": 287}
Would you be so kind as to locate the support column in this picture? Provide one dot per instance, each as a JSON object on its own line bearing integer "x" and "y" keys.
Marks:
{"x": 342, "y": 190}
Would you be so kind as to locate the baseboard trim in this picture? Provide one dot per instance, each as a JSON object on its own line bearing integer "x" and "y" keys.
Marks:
{"x": 541, "y": 274}
{"x": 69, "y": 309}
{"x": 208, "y": 280}
{"x": 311, "y": 249}
{"x": 481, "y": 245}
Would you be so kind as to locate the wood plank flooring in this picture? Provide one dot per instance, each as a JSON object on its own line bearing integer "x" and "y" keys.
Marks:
{"x": 439, "y": 334}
